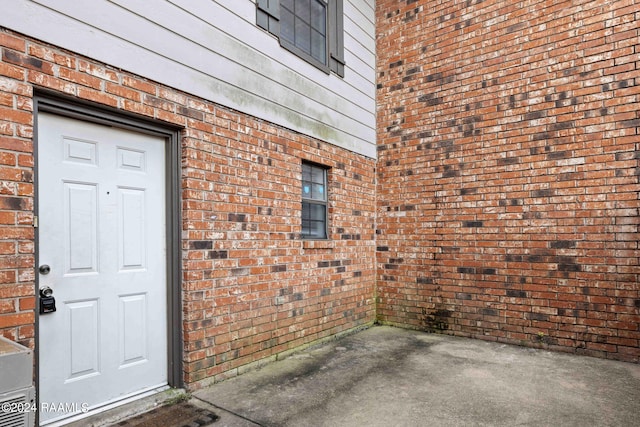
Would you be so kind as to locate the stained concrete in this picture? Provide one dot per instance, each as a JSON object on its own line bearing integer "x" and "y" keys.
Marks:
{"x": 386, "y": 376}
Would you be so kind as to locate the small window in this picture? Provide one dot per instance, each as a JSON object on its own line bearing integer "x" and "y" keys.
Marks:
{"x": 314, "y": 201}
{"x": 311, "y": 29}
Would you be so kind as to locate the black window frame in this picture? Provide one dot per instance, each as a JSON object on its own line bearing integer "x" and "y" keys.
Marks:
{"x": 306, "y": 233}
{"x": 268, "y": 18}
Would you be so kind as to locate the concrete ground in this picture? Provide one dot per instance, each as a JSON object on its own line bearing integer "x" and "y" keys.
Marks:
{"x": 386, "y": 376}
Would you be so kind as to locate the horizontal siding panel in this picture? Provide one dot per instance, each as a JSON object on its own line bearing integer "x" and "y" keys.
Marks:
{"x": 233, "y": 63}
{"x": 360, "y": 47}
{"x": 362, "y": 14}
{"x": 246, "y": 10}
{"x": 361, "y": 78}
{"x": 365, "y": 65}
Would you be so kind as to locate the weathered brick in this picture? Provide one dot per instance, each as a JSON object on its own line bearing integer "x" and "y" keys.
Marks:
{"x": 526, "y": 153}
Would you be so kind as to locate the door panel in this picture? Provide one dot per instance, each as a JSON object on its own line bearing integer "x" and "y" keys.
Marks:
{"x": 131, "y": 228}
{"x": 133, "y": 329}
{"x": 101, "y": 206}
{"x": 84, "y": 346}
{"x": 80, "y": 227}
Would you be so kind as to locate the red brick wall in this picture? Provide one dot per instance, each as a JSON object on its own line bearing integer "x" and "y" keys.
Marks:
{"x": 17, "y": 259}
{"x": 508, "y": 185}
{"x": 251, "y": 287}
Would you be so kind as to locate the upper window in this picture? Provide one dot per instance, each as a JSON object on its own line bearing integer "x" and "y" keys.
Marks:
{"x": 314, "y": 201}
{"x": 312, "y": 29}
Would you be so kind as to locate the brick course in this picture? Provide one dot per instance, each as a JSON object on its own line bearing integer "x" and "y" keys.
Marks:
{"x": 251, "y": 287}
{"x": 508, "y": 190}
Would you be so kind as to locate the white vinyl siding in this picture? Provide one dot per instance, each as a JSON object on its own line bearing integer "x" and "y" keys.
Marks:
{"x": 215, "y": 50}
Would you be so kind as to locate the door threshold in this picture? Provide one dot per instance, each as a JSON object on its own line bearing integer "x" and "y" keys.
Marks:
{"x": 122, "y": 408}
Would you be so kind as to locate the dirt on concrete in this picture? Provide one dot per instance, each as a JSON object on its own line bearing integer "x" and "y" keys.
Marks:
{"x": 181, "y": 414}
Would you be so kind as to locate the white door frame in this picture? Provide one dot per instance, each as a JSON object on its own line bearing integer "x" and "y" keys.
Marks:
{"x": 88, "y": 112}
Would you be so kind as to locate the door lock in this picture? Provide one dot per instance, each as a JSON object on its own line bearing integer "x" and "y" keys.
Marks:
{"x": 47, "y": 300}
{"x": 44, "y": 269}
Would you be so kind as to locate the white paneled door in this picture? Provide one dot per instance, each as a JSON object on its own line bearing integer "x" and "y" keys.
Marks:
{"x": 101, "y": 205}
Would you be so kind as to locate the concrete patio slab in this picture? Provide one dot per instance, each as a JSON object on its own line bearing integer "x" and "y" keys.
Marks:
{"x": 386, "y": 376}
